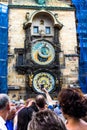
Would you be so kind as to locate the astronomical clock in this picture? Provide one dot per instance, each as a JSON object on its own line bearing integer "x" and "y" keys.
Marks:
{"x": 41, "y": 64}
{"x": 42, "y": 53}
{"x": 43, "y": 78}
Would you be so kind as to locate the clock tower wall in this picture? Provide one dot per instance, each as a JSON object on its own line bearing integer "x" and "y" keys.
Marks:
{"x": 57, "y": 29}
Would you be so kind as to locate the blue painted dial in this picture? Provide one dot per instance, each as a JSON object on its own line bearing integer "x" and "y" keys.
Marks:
{"x": 42, "y": 53}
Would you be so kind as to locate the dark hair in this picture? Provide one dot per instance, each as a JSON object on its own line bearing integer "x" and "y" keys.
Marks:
{"x": 33, "y": 107}
{"x": 73, "y": 102}
{"x": 40, "y": 101}
{"x": 46, "y": 120}
{"x": 24, "y": 116}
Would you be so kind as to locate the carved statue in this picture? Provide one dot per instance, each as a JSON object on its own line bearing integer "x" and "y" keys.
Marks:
{"x": 42, "y": 33}
{"x": 56, "y": 17}
{"x": 30, "y": 79}
{"x": 27, "y": 16}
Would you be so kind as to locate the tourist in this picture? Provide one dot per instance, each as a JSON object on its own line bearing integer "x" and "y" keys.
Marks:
{"x": 46, "y": 120}
{"x": 4, "y": 109}
{"x": 74, "y": 107}
{"x": 41, "y": 102}
{"x": 10, "y": 118}
{"x": 25, "y": 115}
{"x": 54, "y": 106}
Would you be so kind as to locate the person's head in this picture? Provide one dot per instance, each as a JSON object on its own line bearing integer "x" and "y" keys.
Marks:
{"x": 24, "y": 116}
{"x": 11, "y": 113}
{"x": 4, "y": 105}
{"x": 46, "y": 120}
{"x": 40, "y": 101}
{"x": 72, "y": 102}
{"x": 4, "y": 100}
{"x": 34, "y": 107}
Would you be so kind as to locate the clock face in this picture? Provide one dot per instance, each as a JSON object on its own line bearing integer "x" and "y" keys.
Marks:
{"x": 41, "y": 1}
{"x": 42, "y": 53}
{"x": 45, "y": 79}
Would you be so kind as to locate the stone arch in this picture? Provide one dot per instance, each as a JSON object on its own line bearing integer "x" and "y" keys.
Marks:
{"x": 48, "y": 13}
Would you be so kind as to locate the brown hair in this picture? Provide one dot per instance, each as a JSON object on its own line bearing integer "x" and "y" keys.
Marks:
{"x": 46, "y": 120}
{"x": 73, "y": 102}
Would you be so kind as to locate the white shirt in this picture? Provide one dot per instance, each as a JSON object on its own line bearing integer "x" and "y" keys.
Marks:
{"x": 2, "y": 124}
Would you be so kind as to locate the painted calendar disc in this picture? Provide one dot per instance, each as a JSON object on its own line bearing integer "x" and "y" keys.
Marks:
{"x": 45, "y": 79}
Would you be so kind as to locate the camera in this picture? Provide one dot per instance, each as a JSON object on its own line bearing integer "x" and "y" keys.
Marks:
{"x": 42, "y": 86}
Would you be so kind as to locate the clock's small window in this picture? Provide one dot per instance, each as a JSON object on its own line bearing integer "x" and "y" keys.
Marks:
{"x": 35, "y": 29}
{"x": 20, "y": 59}
{"x": 48, "y": 31}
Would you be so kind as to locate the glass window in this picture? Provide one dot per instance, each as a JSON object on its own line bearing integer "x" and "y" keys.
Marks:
{"x": 35, "y": 29}
{"x": 20, "y": 59}
{"x": 48, "y": 30}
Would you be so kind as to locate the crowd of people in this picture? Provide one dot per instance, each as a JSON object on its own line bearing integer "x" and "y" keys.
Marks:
{"x": 42, "y": 113}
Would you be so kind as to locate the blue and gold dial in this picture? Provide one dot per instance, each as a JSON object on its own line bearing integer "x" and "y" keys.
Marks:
{"x": 43, "y": 78}
{"x": 42, "y": 53}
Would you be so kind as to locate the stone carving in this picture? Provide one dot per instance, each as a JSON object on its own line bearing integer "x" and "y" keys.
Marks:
{"x": 27, "y": 16}
{"x": 30, "y": 79}
{"x": 59, "y": 24}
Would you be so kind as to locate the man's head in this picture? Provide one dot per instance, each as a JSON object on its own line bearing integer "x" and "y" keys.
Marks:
{"x": 4, "y": 105}
{"x": 40, "y": 101}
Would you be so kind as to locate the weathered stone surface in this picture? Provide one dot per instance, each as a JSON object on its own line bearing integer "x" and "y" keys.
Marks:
{"x": 67, "y": 39}
{"x": 47, "y": 3}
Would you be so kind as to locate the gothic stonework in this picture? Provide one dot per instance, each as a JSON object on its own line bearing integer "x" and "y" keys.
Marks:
{"x": 30, "y": 28}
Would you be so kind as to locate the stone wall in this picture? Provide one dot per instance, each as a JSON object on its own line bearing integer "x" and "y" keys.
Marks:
{"x": 67, "y": 38}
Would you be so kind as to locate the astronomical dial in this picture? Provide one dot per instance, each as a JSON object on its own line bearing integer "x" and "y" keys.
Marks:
{"x": 42, "y": 53}
{"x": 45, "y": 79}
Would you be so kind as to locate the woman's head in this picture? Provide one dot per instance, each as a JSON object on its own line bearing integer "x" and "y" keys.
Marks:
{"x": 46, "y": 120}
{"x": 73, "y": 102}
{"x": 24, "y": 116}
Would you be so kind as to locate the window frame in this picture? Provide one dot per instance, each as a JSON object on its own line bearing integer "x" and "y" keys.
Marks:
{"x": 48, "y": 30}
{"x": 35, "y": 29}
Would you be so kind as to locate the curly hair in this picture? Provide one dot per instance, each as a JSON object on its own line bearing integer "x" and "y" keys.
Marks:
{"x": 73, "y": 102}
{"x": 46, "y": 120}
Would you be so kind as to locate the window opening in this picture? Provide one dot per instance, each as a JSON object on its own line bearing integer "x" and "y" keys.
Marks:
{"x": 35, "y": 29}
{"x": 48, "y": 31}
